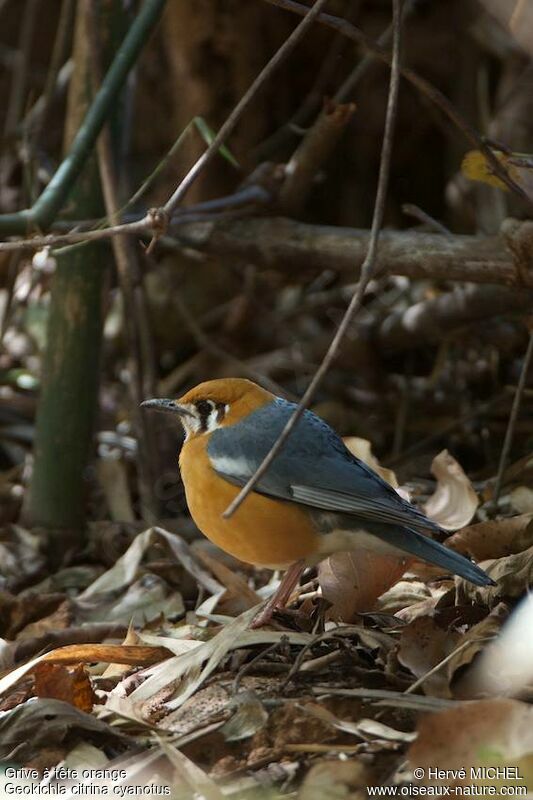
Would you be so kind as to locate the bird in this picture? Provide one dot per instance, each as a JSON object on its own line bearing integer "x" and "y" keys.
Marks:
{"x": 315, "y": 499}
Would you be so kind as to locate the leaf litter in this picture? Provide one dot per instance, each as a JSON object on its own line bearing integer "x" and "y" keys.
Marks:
{"x": 147, "y": 664}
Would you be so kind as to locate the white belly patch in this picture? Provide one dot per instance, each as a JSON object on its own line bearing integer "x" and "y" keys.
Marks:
{"x": 346, "y": 541}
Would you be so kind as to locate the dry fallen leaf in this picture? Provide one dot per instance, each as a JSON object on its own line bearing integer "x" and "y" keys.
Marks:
{"x": 454, "y": 501}
{"x": 238, "y": 596}
{"x": 513, "y": 576}
{"x": 521, "y": 499}
{"x": 69, "y": 683}
{"x": 495, "y": 538}
{"x": 44, "y": 722}
{"x": 423, "y": 645}
{"x": 352, "y": 582}
{"x": 365, "y": 729}
{"x": 361, "y": 448}
{"x": 489, "y": 733}
{"x": 87, "y": 653}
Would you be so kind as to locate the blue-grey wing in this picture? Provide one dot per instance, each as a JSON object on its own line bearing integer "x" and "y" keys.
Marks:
{"x": 313, "y": 468}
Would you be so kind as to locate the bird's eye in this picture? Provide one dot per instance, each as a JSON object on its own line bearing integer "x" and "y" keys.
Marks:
{"x": 204, "y": 407}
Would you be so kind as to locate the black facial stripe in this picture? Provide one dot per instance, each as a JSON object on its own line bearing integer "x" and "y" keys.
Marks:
{"x": 221, "y": 411}
{"x": 204, "y": 409}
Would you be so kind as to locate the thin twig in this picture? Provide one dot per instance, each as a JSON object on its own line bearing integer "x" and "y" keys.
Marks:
{"x": 248, "y": 197}
{"x": 283, "y": 642}
{"x": 515, "y": 409}
{"x": 229, "y": 125}
{"x": 422, "y": 216}
{"x": 367, "y": 268}
{"x": 446, "y": 660}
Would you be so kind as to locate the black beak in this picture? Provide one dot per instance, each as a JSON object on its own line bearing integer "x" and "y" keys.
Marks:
{"x": 170, "y": 406}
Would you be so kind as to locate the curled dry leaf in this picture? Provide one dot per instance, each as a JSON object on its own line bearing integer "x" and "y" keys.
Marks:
{"x": 454, "y": 502}
{"x": 365, "y": 729}
{"x": 44, "y": 722}
{"x": 69, "y": 683}
{"x": 352, "y": 582}
{"x": 513, "y": 576}
{"x": 491, "y": 733}
{"x": 87, "y": 653}
{"x": 361, "y": 448}
{"x": 124, "y": 571}
{"x": 238, "y": 596}
{"x": 522, "y": 499}
{"x": 403, "y": 595}
{"x": 495, "y": 538}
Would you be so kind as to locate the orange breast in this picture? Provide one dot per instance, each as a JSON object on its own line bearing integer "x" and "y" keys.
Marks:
{"x": 263, "y": 531}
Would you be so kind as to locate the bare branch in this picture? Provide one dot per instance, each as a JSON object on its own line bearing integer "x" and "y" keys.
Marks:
{"x": 296, "y": 245}
{"x": 314, "y": 149}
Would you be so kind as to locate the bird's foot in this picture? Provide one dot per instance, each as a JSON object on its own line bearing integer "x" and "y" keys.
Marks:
{"x": 281, "y": 596}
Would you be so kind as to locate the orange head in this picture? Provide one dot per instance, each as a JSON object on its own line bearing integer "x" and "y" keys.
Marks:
{"x": 214, "y": 404}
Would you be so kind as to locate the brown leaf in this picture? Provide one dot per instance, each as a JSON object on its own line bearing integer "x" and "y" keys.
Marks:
{"x": 69, "y": 683}
{"x": 361, "y": 448}
{"x": 495, "y": 538}
{"x": 238, "y": 597}
{"x": 44, "y": 722}
{"x": 487, "y": 733}
{"x": 423, "y": 645}
{"x": 352, "y": 582}
{"x": 454, "y": 501}
{"x": 513, "y": 576}
{"x": 88, "y": 653}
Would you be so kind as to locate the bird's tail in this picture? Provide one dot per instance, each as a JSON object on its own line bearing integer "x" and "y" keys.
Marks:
{"x": 428, "y": 550}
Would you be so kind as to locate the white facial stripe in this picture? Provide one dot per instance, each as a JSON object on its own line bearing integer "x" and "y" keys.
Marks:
{"x": 191, "y": 423}
{"x": 212, "y": 421}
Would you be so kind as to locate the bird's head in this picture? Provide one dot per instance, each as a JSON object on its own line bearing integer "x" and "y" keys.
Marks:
{"x": 213, "y": 404}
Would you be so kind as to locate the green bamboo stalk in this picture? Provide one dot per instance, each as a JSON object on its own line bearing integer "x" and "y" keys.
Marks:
{"x": 68, "y": 402}
{"x": 48, "y": 205}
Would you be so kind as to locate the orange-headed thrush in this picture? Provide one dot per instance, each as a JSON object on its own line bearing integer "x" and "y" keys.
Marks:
{"x": 315, "y": 499}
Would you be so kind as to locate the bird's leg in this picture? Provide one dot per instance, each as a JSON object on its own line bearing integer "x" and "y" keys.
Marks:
{"x": 281, "y": 596}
